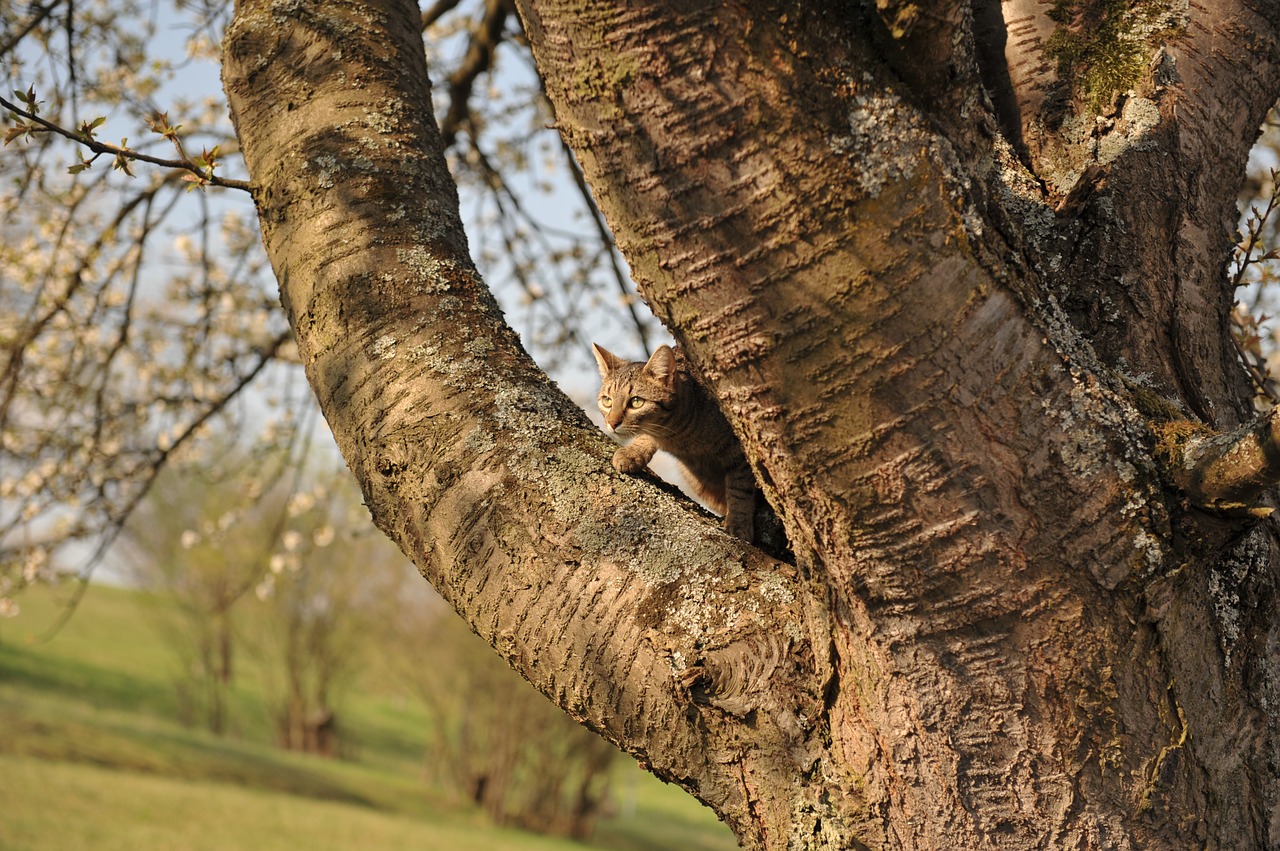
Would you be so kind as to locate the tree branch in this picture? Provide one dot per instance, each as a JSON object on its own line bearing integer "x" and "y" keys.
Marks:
{"x": 599, "y": 588}
{"x": 479, "y": 59}
{"x": 436, "y": 11}
{"x": 97, "y": 147}
{"x": 1227, "y": 471}
{"x": 38, "y": 14}
{"x": 607, "y": 245}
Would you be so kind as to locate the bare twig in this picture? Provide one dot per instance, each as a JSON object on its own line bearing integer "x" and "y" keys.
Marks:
{"x": 1256, "y": 367}
{"x": 479, "y": 59}
{"x": 607, "y": 245}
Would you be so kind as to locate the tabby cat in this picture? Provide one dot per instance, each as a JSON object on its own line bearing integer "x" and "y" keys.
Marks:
{"x": 661, "y": 404}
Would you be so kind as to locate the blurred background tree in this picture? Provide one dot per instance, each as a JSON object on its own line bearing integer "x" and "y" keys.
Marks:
{"x": 188, "y": 545}
{"x": 492, "y": 736}
{"x": 326, "y": 585}
{"x": 297, "y": 581}
{"x": 140, "y": 318}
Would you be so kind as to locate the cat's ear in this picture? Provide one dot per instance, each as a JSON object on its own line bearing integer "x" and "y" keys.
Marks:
{"x": 605, "y": 359}
{"x": 662, "y": 365}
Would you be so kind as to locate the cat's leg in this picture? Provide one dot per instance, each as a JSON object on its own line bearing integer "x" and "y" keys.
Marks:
{"x": 636, "y": 455}
{"x": 740, "y": 504}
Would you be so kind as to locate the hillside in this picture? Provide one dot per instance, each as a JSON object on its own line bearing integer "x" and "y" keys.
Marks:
{"x": 92, "y": 756}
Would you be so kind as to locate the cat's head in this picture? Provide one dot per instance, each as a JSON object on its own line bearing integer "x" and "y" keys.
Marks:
{"x": 635, "y": 394}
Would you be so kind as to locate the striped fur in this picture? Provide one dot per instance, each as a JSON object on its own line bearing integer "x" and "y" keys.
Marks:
{"x": 661, "y": 404}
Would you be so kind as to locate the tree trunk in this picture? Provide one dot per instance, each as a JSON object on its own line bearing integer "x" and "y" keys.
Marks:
{"x": 958, "y": 340}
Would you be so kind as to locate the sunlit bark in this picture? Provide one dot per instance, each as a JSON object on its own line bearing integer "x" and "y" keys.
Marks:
{"x": 950, "y": 359}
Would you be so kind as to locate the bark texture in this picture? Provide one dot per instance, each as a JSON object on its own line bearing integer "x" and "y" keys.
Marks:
{"x": 956, "y": 275}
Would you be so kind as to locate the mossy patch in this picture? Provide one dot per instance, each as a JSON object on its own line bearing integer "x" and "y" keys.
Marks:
{"x": 1173, "y": 431}
{"x": 1102, "y": 47}
{"x": 1173, "y": 438}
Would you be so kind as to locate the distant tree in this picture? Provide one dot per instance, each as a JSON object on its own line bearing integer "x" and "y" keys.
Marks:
{"x": 190, "y": 545}
{"x": 327, "y": 585}
{"x": 491, "y": 736}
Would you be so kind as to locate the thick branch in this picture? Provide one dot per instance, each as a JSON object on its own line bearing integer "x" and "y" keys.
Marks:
{"x": 600, "y": 589}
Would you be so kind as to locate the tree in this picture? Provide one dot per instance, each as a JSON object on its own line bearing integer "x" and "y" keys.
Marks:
{"x": 958, "y": 276}
{"x": 323, "y": 592}
{"x": 490, "y": 736}
{"x": 189, "y": 546}
{"x": 976, "y": 348}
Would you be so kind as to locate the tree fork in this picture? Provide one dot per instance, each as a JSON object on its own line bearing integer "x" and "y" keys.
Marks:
{"x": 626, "y": 606}
{"x": 991, "y": 637}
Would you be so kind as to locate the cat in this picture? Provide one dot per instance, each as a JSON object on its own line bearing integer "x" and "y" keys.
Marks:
{"x": 662, "y": 404}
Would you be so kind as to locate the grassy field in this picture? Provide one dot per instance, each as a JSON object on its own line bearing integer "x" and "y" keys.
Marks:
{"x": 92, "y": 757}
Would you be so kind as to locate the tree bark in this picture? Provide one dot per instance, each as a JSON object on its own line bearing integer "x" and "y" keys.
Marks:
{"x": 954, "y": 337}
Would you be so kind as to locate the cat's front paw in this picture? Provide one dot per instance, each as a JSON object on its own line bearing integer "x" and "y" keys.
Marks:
{"x": 741, "y": 525}
{"x": 630, "y": 459}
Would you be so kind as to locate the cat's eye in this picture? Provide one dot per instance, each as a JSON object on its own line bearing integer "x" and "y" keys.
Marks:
{"x": 606, "y": 401}
{"x": 636, "y": 402}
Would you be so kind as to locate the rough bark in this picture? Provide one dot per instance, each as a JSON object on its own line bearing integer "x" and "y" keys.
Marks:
{"x": 956, "y": 361}
{"x": 633, "y": 611}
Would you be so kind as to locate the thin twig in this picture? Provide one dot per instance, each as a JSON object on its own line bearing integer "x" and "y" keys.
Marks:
{"x": 38, "y": 15}
{"x": 104, "y": 148}
{"x": 606, "y": 239}
{"x": 479, "y": 59}
{"x": 1257, "y": 222}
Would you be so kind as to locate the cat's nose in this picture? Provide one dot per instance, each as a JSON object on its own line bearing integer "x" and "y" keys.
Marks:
{"x": 613, "y": 420}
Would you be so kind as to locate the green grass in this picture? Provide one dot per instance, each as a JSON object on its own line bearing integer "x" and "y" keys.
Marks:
{"x": 92, "y": 757}
{"x": 69, "y": 806}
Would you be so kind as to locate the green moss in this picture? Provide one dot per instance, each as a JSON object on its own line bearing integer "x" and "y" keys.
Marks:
{"x": 1102, "y": 47}
{"x": 1168, "y": 423}
{"x": 1152, "y": 405}
{"x": 1172, "y": 439}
